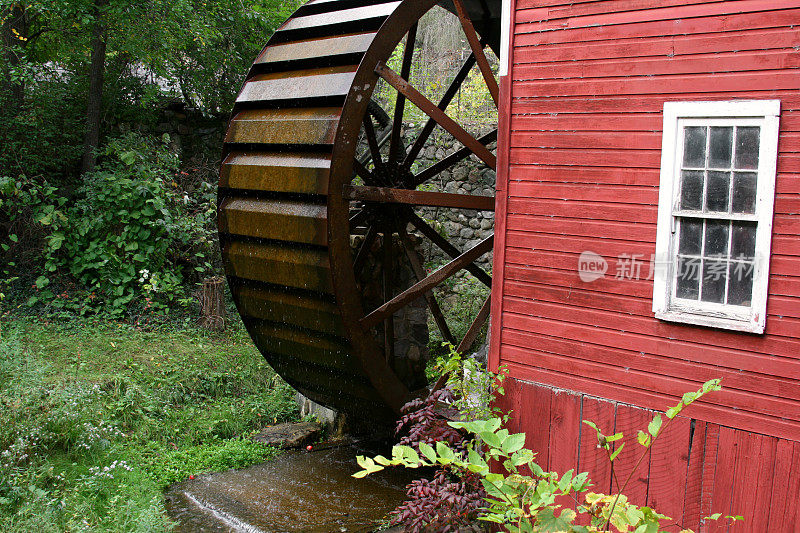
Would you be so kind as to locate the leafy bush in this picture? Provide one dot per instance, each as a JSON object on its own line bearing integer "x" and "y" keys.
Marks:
{"x": 27, "y": 209}
{"x": 511, "y": 498}
{"x": 129, "y": 232}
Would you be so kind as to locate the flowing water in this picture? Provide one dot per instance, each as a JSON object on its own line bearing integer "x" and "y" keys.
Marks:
{"x": 299, "y": 491}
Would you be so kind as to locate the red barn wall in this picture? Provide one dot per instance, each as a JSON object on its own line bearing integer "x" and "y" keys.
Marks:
{"x": 579, "y": 159}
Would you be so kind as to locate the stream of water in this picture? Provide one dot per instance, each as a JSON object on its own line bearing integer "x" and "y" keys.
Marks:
{"x": 299, "y": 491}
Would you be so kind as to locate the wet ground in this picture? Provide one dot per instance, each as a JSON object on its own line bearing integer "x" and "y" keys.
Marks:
{"x": 299, "y": 491}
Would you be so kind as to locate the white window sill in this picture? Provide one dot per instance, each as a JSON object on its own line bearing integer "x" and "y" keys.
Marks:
{"x": 722, "y": 322}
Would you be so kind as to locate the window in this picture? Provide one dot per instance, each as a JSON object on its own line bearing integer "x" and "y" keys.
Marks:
{"x": 715, "y": 213}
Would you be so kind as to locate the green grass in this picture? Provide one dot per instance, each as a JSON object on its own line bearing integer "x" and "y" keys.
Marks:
{"x": 97, "y": 419}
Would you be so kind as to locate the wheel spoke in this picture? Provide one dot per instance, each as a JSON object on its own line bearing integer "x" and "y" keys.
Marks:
{"x": 477, "y": 49}
{"x": 448, "y": 248}
{"x": 363, "y": 172}
{"x": 430, "y": 298}
{"x": 400, "y": 103}
{"x": 363, "y": 250}
{"x": 452, "y": 90}
{"x": 388, "y": 318}
{"x": 421, "y": 287}
{"x": 390, "y": 195}
{"x": 450, "y": 160}
{"x": 419, "y": 100}
{"x": 372, "y": 140}
{"x": 357, "y": 219}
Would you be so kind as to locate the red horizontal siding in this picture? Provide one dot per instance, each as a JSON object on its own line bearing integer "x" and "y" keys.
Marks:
{"x": 589, "y": 80}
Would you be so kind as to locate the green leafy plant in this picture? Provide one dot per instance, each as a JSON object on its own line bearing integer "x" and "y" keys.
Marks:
{"x": 129, "y": 233}
{"x": 523, "y": 497}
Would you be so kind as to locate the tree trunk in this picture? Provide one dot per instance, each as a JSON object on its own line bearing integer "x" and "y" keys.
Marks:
{"x": 212, "y": 304}
{"x": 95, "y": 99}
{"x": 13, "y": 33}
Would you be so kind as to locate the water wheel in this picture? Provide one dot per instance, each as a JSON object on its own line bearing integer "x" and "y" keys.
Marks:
{"x": 304, "y": 171}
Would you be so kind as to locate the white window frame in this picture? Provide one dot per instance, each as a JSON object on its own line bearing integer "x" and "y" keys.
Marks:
{"x": 763, "y": 113}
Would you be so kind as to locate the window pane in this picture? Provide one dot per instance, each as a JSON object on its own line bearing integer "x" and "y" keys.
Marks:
{"x": 747, "y": 146}
{"x": 691, "y": 236}
{"x": 692, "y": 190}
{"x": 716, "y": 238}
{"x": 688, "y": 278}
{"x": 714, "y": 274}
{"x": 740, "y": 286}
{"x": 743, "y": 240}
{"x": 694, "y": 147}
{"x": 720, "y": 145}
{"x": 717, "y": 192}
{"x": 744, "y": 192}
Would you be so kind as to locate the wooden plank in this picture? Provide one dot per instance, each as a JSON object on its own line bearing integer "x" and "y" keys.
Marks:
{"x": 682, "y": 12}
{"x": 269, "y": 88}
{"x": 693, "y": 490}
{"x": 592, "y": 458}
{"x": 629, "y": 467}
{"x": 669, "y": 465}
{"x": 748, "y": 450}
{"x": 279, "y": 172}
{"x": 534, "y": 419}
{"x": 391, "y": 195}
{"x": 758, "y": 511}
{"x": 528, "y": 35}
{"x": 699, "y": 83}
{"x": 300, "y": 268}
{"x": 334, "y": 19}
{"x": 267, "y": 303}
{"x": 274, "y": 219}
{"x": 284, "y": 126}
{"x": 724, "y": 477}
{"x": 638, "y": 105}
{"x": 325, "y": 47}
{"x": 711, "y": 458}
{"x": 780, "y": 500}
{"x": 792, "y": 514}
{"x": 660, "y": 46}
{"x": 728, "y": 62}
{"x": 565, "y": 436}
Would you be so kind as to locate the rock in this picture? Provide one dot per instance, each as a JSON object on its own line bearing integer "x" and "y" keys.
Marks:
{"x": 466, "y": 233}
{"x": 290, "y": 435}
{"x": 474, "y": 223}
{"x": 487, "y": 224}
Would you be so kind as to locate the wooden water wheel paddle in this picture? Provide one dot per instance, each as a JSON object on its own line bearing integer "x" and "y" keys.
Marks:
{"x": 304, "y": 170}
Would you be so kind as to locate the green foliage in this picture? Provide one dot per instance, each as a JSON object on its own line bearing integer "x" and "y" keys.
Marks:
{"x": 129, "y": 232}
{"x": 96, "y": 420}
{"x": 27, "y": 208}
{"x": 177, "y": 465}
{"x": 522, "y": 502}
{"x": 473, "y": 387}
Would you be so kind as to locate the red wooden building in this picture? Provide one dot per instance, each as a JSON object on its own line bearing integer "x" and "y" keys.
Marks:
{"x": 648, "y": 239}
